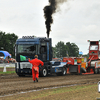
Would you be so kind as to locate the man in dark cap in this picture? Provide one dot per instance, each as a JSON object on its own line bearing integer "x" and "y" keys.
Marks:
{"x": 35, "y": 69}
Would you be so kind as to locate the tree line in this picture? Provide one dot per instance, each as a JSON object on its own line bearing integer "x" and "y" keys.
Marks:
{"x": 7, "y": 42}
{"x": 65, "y": 50}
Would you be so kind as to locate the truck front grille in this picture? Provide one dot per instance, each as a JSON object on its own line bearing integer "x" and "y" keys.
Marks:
{"x": 25, "y": 65}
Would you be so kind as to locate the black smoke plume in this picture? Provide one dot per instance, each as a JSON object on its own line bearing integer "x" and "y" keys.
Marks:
{"x": 48, "y": 11}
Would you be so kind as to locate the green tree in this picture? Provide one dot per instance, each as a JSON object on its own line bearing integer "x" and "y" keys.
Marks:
{"x": 73, "y": 49}
{"x": 68, "y": 45}
{"x": 60, "y": 49}
{"x": 7, "y": 42}
{"x": 63, "y": 50}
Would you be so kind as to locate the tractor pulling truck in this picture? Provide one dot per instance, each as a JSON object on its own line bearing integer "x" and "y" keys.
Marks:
{"x": 92, "y": 66}
{"x": 94, "y": 57}
{"x": 27, "y": 47}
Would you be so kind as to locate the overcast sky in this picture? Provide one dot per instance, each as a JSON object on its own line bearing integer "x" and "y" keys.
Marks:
{"x": 76, "y": 21}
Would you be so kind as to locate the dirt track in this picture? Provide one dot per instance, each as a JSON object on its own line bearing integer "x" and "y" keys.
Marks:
{"x": 10, "y": 84}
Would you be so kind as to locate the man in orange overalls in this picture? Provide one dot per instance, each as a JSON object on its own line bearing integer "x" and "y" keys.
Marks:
{"x": 35, "y": 62}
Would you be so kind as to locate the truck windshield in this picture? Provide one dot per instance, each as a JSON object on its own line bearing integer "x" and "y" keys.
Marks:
{"x": 94, "y": 47}
{"x": 27, "y": 48}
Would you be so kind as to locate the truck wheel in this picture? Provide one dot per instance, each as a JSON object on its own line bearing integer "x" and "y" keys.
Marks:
{"x": 63, "y": 72}
{"x": 43, "y": 72}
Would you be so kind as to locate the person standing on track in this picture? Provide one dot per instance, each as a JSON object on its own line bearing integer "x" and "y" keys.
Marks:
{"x": 35, "y": 68}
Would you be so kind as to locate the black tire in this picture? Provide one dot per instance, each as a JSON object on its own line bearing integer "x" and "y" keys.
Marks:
{"x": 44, "y": 72}
{"x": 64, "y": 71}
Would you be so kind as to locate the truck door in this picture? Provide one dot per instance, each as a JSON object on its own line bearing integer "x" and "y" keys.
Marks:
{"x": 43, "y": 51}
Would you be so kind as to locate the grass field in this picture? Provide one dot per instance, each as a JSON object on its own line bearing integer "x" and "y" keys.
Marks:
{"x": 81, "y": 92}
{"x": 8, "y": 72}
